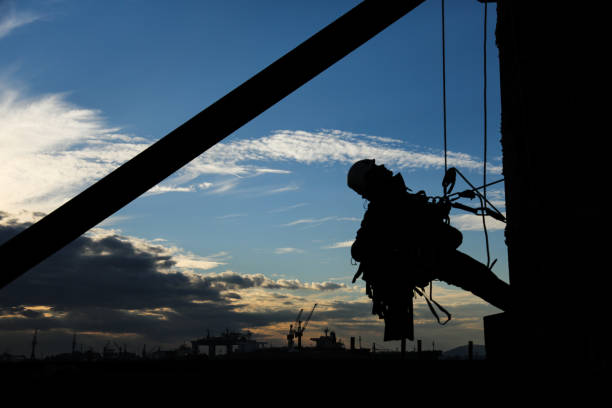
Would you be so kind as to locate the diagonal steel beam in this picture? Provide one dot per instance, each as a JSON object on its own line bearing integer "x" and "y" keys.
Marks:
{"x": 198, "y": 134}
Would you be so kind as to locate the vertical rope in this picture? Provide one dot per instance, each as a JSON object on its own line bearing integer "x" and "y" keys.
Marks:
{"x": 444, "y": 92}
{"x": 444, "y": 115}
{"x": 484, "y": 191}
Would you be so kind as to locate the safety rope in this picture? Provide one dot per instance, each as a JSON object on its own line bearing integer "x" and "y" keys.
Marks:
{"x": 444, "y": 90}
{"x": 484, "y": 189}
{"x": 443, "y": 116}
{"x": 483, "y": 197}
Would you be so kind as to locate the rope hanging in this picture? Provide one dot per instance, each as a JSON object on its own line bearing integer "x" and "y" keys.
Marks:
{"x": 444, "y": 92}
{"x": 484, "y": 210}
{"x": 444, "y": 186}
{"x": 484, "y": 183}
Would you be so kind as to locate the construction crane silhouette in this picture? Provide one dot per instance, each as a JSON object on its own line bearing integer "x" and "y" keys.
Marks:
{"x": 299, "y": 331}
{"x": 291, "y": 334}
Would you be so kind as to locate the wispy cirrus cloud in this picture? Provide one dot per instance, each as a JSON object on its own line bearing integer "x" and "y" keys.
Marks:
{"x": 291, "y": 187}
{"x": 287, "y": 208}
{"x": 283, "y": 251}
{"x": 272, "y": 171}
{"x": 342, "y": 244}
{"x": 231, "y": 216}
{"x": 318, "y": 221}
{"x": 51, "y": 149}
{"x": 11, "y": 19}
{"x": 239, "y": 158}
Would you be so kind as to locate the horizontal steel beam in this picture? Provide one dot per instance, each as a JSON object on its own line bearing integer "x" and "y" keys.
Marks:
{"x": 197, "y": 135}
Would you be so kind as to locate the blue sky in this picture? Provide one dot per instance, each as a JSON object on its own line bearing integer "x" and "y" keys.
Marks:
{"x": 264, "y": 218}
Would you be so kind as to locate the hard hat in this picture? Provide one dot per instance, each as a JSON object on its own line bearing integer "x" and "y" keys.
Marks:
{"x": 357, "y": 175}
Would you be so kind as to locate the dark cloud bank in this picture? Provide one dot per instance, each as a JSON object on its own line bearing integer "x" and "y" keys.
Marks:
{"x": 110, "y": 286}
{"x": 108, "y": 289}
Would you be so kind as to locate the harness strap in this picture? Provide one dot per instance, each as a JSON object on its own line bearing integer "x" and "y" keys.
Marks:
{"x": 433, "y": 311}
{"x": 359, "y": 272}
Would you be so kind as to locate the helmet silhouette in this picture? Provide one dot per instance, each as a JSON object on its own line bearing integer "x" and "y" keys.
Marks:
{"x": 357, "y": 175}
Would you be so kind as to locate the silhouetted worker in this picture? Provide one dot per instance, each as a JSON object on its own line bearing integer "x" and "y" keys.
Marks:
{"x": 404, "y": 243}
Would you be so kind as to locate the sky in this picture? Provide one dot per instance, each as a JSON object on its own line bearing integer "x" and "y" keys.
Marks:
{"x": 259, "y": 226}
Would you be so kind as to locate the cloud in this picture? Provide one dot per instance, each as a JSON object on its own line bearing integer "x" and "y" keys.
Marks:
{"x": 471, "y": 222}
{"x": 232, "y": 280}
{"x": 283, "y": 189}
{"x": 168, "y": 189}
{"x": 288, "y": 208}
{"x": 272, "y": 171}
{"x": 51, "y": 149}
{"x": 238, "y": 158}
{"x": 282, "y": 251}
{"x": 342, "y": 244}
{"x": 192, "y": 261}
{"x": 106, "y": 271}
{"x": 111, "y": 285}
{"x": 309, "y": 221}
{"x": 223, "y": 186}
{"x": 229, "y": 216}
{"x": 318, "y": 221}
{"x": 327, "y": 286}
{"x": 11, "y": 19}
{"x": 252, "y": 157}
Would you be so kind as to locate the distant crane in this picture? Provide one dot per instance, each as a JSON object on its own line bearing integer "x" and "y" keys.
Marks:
{"x": 299, "y": 331}
{"x": 291, "y": 334}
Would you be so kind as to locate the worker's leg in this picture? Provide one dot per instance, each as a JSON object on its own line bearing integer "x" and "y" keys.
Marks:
{"x": 459, "y": 269}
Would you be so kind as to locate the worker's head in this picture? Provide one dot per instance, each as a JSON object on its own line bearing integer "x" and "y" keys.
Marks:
{"x": 365, "y": 177}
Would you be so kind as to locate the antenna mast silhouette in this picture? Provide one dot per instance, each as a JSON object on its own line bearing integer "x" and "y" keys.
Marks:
{"x": 34, "y": 344}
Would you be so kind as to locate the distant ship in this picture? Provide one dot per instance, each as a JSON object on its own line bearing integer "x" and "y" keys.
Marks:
{"x": 328, "y": 342}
